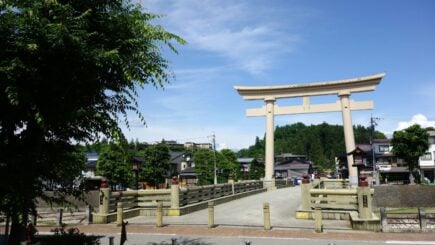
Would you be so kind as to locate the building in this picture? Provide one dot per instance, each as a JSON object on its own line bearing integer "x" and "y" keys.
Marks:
{"x": 173, "y": 145}
{"x": 391, "y": 168}
{"x": 91, "y": 164}
{"x": 292, "y": 166}
{"x": 192, "y": 145}
{"x": 289, "y": 157}
{"x": 427, "y": 161}
{"x": 179, "y": 161}
{"x": 245, "y": 166}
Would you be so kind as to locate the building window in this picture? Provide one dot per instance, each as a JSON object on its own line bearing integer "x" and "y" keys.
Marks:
{"x": 426, "y": 156}
{"x": 384, "y": 148}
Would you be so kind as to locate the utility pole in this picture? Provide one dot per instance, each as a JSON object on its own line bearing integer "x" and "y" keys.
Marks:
{"x": 373, "y": 124}
{"x": 214, "y": 157}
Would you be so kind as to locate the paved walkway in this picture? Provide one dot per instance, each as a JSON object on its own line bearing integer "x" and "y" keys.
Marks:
{"x": 248, "y": 212}
{"x": 201, "y": 235}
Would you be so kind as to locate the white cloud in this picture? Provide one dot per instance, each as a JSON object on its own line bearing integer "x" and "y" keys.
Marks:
{"x": 221, "y": 146}
{"x": 419, "y": 119}
{"x": 228, "y": 29}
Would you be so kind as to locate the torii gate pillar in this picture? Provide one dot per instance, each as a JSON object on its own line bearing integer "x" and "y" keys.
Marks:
{"x": 270, "y": 136}
{"x": 342, "y": 88}
{"x": 349, "y": 137}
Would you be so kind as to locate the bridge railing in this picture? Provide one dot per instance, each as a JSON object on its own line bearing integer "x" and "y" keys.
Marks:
{"x": 195, "y": 194}
{"x": 190, "y": 195}
{"x": 281, "y": 183}
{"x": 334, "y": 199}
{"x": 139, "y": 198}
{"x": 333, "y": 194}
{"x": 139, "y": 202}
{"x": 335, "y": 184}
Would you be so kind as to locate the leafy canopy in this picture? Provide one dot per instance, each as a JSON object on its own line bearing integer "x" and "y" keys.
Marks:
{"x": 409, "y": 144}
{"x": 320, "y": 143}
{"x": 156, "y": 164}
{"x": 226, "y": 166}
{"x": 112, "y": 164}
{"x": 69, "y": 71}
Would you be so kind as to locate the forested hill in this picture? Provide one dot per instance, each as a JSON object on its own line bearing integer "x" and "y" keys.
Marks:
{"x": 321, "y": 143}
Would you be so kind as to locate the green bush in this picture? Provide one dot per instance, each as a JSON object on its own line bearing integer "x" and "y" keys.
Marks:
{"x": 71, "y": 236}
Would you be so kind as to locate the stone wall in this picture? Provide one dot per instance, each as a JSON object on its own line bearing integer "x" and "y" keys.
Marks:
{"x": 397, "y": 196}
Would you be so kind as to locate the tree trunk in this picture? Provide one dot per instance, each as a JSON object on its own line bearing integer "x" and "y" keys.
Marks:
{"x": 411, "y": 178}
{"x": 18, "y": 232}
{"x": 18, "y": 227}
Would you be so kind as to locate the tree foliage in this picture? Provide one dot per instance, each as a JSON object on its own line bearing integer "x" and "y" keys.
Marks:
{"x": 320, "y": 143}
{"x": 156, "y": 164}
{"x": 256, "y": 170}
{"x": 68, "y": 71}
{"x": 228, "y": 165}
{"x": 112, "y": 164}
{"x": 409, "y": 144}
{"x": 204, "y": 166}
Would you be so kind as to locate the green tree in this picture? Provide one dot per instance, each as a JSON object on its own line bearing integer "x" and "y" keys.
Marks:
{"x": 156, "y": 164}
{"x": 321, "y": 143}
{"x": 409, "y": 144}
{"x": 69, "y": 72}
{"x": 229, "y": 165}
{"x": 112, "y": 164}
{"x": 204, "y": 166}
{"x": 256, "y": 170}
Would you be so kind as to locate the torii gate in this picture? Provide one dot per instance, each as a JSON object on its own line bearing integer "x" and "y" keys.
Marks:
{"x": 342, "y": 88}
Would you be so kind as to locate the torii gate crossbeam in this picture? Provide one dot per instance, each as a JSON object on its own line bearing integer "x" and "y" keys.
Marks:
{"x": 342, "y": 88}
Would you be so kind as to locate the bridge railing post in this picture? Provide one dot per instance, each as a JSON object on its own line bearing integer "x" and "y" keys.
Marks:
{"x": 266, "y": 216}
{"x": 231, "y": 181}
{"x": 159, "y": 214}
{"x": 318, "y": 220}
{"x": 211, "y": 215}
{"x": 119, "y": 214}
{"x": 422, "y": 218}
{"x": 175, "y": 198}
{"x": 364, "y": 199}
{"x": 384, "y": 221}
{"x": 305, "y": 193}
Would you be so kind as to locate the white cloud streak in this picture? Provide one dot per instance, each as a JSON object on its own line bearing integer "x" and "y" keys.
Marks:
{"x": 228, "y": 29}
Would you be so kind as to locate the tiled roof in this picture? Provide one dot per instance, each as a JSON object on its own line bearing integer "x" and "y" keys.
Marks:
{"x": 381, "y": 140}
{"x": 245, "y": 159}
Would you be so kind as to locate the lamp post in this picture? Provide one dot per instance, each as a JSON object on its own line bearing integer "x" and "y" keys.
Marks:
{"x": 135, "y": 168}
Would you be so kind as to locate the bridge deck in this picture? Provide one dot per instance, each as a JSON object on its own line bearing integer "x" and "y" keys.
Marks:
{"x": 248, "y": 211}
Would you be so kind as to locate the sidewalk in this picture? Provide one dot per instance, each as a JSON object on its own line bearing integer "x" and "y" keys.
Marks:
{"x": 228, "y": 231}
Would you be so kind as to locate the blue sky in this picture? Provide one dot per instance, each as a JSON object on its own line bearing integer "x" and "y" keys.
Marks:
{"x": 275, "y": 42}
